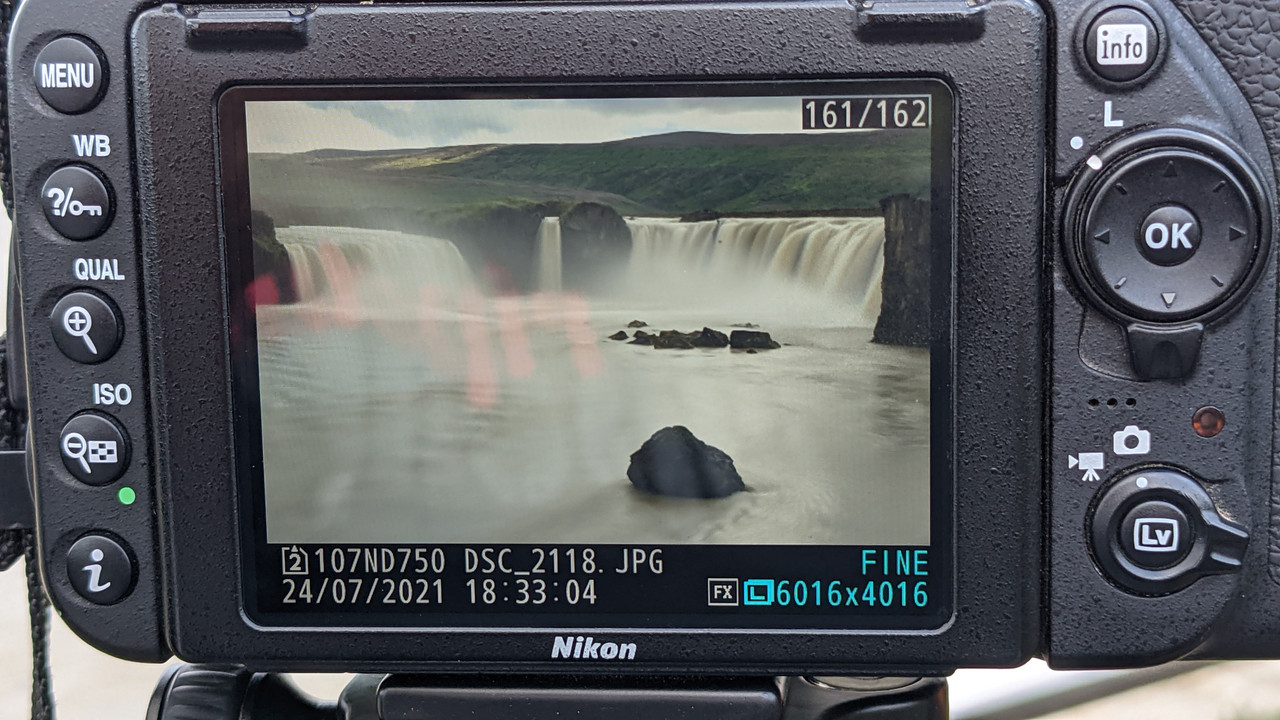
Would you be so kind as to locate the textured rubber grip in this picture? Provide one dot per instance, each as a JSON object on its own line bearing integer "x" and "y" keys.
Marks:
{"x": 1245, "y": 35}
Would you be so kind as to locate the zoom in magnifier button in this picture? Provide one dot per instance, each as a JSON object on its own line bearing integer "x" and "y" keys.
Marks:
{"x": 86, "y": 327}
{"x": 94, "y": 449}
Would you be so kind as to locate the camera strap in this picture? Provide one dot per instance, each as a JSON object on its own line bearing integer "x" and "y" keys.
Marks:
{"x": 7, "y": 8}
{"x": 20, "y": 542}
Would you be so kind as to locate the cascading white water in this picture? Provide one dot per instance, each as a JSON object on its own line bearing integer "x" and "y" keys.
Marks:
{"x": 386, "y": 270}
{"x": 511, "y": 418}
{"x": 549, "y": 262}
{"x": 841, "y": 258}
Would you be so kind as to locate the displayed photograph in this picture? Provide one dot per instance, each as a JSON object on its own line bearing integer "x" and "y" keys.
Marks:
{"x": 637, "y": 320}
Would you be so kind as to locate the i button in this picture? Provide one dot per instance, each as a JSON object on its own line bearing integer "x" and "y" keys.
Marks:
{"x": 99, "y": 569}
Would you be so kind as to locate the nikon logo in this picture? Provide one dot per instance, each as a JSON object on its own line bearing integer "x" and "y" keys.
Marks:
{"x": 585, "y": 648}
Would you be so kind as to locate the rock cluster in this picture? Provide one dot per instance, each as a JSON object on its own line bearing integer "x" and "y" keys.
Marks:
{"x": 752, "y": 340}
{"x": 675, "y": 463}
{"x": 749, "y": 340}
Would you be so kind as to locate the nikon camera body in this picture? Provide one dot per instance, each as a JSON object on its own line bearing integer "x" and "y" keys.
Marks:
{"x": 776, "y": 337}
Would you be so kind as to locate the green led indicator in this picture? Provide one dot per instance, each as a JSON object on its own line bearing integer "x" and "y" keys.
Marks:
{"x": 127, "y": 496}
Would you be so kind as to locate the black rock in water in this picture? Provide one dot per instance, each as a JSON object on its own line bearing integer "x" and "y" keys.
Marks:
{"x": 749, "y": 326}
{"x": 595, "y": 246}
{"x": 703, "y": 215}
{"x": 709, "y": 338}
{"x": 904, "y": 309}
{"x": 642, "y": 338}
{"x": 752, "y": 340}
{"x": 675, "y": 463}
{"x": 673, "y": 340}
{"x": 620, "y": 335}
{"x": 637, "y": 324}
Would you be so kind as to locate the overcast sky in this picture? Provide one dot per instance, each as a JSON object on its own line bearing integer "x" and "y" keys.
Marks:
{"x": 293, "y": 126}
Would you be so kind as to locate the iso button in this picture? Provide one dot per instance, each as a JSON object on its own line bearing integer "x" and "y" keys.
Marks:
{"x": 70, "y": 75}
{"x": 94, "y": 449}
{"x": 85, "y": 327}
{"x": 76, "y": 202}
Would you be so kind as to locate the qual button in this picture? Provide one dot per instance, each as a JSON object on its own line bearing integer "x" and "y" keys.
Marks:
{"x": 85, "y": 327}
{"x": 76, "y": 202}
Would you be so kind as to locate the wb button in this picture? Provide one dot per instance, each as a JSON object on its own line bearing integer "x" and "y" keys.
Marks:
{"x": 1155, "y": 535}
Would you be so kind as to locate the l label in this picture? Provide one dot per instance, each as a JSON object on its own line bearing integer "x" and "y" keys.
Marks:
{"x": 1107, "y": 120}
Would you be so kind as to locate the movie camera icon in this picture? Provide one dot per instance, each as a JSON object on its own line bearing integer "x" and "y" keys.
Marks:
{"x": 1089, "y": 462}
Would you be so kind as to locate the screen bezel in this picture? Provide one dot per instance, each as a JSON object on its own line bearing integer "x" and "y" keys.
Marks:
{"x": 1003, "y": 228}
{"x": 254, "y": 551}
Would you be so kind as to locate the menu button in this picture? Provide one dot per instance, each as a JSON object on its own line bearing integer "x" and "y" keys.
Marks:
{"x": 70, "y": 75}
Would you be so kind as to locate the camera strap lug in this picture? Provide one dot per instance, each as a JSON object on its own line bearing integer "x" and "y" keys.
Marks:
{"x": 251, "y": 26}
{"x": 943, "y": 17}
{"x": 16, "y": 509}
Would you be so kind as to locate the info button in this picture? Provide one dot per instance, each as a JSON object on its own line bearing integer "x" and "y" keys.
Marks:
{"x": 1122, "y": 44}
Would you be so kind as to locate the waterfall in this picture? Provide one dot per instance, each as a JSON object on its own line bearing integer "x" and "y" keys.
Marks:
{"x": 841, "y": 258}
{"x": 384, "y": 271}
{"x": 549, "y": 263}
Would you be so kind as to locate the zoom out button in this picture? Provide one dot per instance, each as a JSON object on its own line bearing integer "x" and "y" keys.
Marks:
{"x": 94, "y": 449}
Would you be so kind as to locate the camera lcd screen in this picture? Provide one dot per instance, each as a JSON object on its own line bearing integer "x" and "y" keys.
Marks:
{"x": 566, "y": 357}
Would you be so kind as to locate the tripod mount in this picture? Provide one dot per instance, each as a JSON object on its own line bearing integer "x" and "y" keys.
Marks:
{"x": 193, "y": 692}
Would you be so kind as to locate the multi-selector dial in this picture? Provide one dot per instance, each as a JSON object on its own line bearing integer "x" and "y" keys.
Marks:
{"x": 1169, "y": 235}
{"x": 1166, "y": 231}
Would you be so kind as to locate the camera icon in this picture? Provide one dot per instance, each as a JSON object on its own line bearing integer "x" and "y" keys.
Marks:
{"x": 1132, "y": 440}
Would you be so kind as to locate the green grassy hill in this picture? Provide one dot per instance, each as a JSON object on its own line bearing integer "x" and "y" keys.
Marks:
{"x": 665, "y": 175}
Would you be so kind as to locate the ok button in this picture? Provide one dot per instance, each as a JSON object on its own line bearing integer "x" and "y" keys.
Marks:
{"x": 1169, "y": 236}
